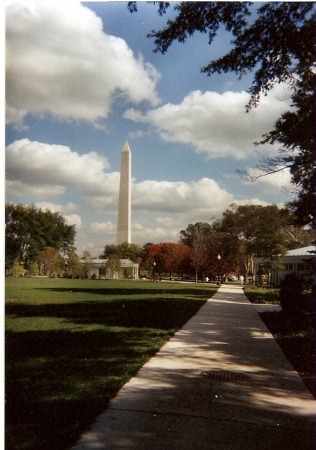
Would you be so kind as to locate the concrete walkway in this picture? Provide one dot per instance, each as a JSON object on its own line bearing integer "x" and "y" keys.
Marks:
{"x": 221, "y": 383}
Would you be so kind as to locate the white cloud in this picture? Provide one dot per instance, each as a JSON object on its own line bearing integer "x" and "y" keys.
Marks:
{"x": 60, "y": 62}
{"x": 19, "y": 188}
{"x": 103, "y": 228}
{"x": 273, "y": 182}
{"x": 74, "y": 219}
{"x": 155, "y": 234}
{"x": 43, "y": 169}
{"x": 197, "y": 197}
{"x": 66, "y": 210}
{"x": 216, "y": 124}
{"x": 94, "y": 236}
{"x": 251, "y": 201}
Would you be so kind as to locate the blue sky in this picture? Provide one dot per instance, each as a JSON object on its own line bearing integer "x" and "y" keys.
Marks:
{"x": 81, "y": 79}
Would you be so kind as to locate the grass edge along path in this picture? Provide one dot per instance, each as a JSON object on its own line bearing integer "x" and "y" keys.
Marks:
{"x": 294, "y": 335}
{"x": 72, "y": 344}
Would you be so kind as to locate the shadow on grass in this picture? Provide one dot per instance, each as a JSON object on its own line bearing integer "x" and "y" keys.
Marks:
{"x": 158, "y": 313}
{"x": 51, "y": 426}
{"x": 185, "y": 291}
{"x": 58, "y": 381}
{"x": 296, "y": 337}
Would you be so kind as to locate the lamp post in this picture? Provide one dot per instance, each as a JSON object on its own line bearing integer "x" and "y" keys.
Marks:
{"x": 218, "y": 267}
{"x": 154, "y": 274}
{"x": 66, "y": 257}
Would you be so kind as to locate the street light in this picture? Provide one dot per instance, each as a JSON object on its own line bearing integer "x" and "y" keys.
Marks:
{"x": 218, "y": 265}
{"x": 66, "y": 257}
{"x": 154, "y": 274}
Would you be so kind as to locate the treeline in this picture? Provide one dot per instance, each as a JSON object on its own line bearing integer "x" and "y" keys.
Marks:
{"x": 40, "y": 242}
{"x": 243, "y": 233}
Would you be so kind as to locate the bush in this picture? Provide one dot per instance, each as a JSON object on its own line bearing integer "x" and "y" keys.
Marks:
{"x": 17, "y": 270}
{"x": 291, "y": 294}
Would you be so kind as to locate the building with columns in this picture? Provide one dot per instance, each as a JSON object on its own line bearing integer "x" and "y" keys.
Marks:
{"x": 104, "y": 269}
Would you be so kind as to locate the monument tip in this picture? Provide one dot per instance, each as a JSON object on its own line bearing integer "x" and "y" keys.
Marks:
{"x": 126, "y": 147}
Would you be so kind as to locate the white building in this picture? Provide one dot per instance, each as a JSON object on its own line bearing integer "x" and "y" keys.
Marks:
{"x": 103, "y": 268}
{"x": 300, "y": 261}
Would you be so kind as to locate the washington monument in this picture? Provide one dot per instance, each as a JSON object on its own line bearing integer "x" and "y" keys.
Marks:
{"x": 124, "y": 204}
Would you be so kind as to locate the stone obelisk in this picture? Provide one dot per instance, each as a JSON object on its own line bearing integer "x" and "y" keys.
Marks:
{"x": 124, "y": 204}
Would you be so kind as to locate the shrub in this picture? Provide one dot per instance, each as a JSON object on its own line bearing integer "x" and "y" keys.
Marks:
{"x": 33, "y": 269}
{"x": 17, "y": 270}
{"x": 291, "y": 294}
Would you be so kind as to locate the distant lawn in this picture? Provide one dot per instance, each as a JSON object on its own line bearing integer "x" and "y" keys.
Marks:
{"x": 262, "y": 295}
{"x": 72, "y": 344}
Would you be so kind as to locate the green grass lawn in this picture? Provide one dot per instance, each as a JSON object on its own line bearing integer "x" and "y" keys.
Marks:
{"x": 262, "y": 295}
{"x": 72, "y": 344}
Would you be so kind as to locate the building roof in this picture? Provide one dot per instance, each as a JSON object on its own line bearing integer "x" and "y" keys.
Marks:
{"x": 303, "y": 251}
{"x": 102, "y": 261}
{"x": 93, "y": 260}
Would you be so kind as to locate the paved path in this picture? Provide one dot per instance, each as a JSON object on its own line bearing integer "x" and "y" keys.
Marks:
{"x": 221, "y": 383}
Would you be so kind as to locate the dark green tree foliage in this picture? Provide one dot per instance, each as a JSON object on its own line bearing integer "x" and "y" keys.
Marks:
{"x": 30, "y": 230}
{"x": 111, "y": 249}
{"x": 295, "y": 131}
{"x": 73, "y": 267}
{"x": 256, "y": 230}
{"x": 131, "y": 251}
{"x": 123, "y": 251}
{"x": 188, "y": 236}
{"x": 278, "y": 46}
{"x": 291, "y": 295}
{"x": 260, "y": 229}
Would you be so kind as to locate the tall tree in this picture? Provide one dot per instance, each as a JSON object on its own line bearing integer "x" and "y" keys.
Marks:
{"x": 257, "y": 231}
{"x": 167, "y": 257}
{"x": 111, "y": 249}
{"x": 113, "y": 265}
{"x": 155, "y": 258}
{"x": 295, "y": 131}
{"x": 73, "y": 266}
{"x": 181, "y": 259}
{"x": 50, "y": 260}
{"x": 130, "y": 251}
{"x": 278, "y": 46}
{"x": 30, "y": 230}
{"x": 145, "y": 263}
{"x": 133, "y": 252}
{"x": 198, "y": 237}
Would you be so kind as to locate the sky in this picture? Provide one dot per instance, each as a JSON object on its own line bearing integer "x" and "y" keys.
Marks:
{"x": 82, "y": 79}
